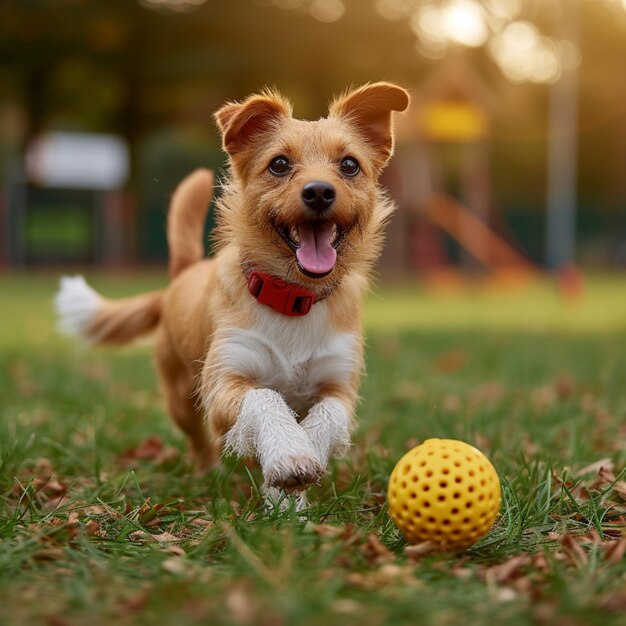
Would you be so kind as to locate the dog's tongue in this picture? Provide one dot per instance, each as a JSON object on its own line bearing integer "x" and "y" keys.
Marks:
{"x": 316, "y": 253}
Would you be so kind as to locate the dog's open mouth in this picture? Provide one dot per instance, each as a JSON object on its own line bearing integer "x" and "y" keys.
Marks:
{"x": 315, "y": 245}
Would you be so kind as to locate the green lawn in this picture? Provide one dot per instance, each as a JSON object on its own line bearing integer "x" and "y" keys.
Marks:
{"x": 102, "y": 520}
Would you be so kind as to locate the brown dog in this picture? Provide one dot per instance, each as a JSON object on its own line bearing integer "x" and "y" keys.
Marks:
{"x": 259, "y": 349}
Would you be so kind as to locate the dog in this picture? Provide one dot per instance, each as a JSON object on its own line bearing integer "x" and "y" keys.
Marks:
{"x": 259, "y": 348}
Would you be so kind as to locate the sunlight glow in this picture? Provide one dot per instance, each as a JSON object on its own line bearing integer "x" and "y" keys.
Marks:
{"x": 524, "y": 55}
{"x": 394, "y": 10}
{"x": 327, "y": 10}
{"x": 464, "y": 22}
{"x": 517, "y": 47}
{"x": 456, "y": 21}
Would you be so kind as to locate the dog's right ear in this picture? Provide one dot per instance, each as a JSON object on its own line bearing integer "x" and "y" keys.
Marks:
{"x": 241, "y": 122}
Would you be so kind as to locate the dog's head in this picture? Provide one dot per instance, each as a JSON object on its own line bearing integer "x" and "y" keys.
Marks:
{"x": 303, "y": 201}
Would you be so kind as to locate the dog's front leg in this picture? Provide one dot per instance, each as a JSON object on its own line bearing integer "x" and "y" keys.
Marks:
{"x": 328, "y": 427}
{"x": 267, "y": 428}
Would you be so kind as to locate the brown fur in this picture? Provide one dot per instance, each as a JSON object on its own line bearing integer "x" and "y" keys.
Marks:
{"x": 185, "y": 220}
{"x": 208, "y": 297}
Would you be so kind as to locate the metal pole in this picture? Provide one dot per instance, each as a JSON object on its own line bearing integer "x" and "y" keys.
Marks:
{"x": 563, "y": 154}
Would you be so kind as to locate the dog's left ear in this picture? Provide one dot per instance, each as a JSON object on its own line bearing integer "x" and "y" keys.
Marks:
{"x": 369, "y": 108}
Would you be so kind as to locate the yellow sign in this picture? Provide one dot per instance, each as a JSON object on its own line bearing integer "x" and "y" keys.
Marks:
{"x": 453, "y": 121}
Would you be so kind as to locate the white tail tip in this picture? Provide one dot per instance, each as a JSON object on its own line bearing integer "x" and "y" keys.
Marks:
{"x": 76, "y": 303}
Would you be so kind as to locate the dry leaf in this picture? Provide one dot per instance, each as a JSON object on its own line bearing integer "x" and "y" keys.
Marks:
{"x": 198, "y": 521}
{"x": 615, "y": 602}
{"x": 151, "y": 449}
{"x": 564, "y": 386}
{"x": 451, "y": 403}
{"x": 174, "y": 565}
{"x": 375, "y": 551}
{"x": 451, "y": 361}
{"x": 134, "y": 603}
{"x": 504, "y": 594}
{"x": 346, "y": 606}
{"x": 594, "y": 468}
{"x": 509, "y": 570}
{"x": 326, "y": 530}
{"x": 93, "y": 528}
{"x": 417, "y": 551}
{"x": 615, "y": 551}
{"x": 485, "y": 394}
{"x": 240, "y": 605}
{"x": 573, "y": 551}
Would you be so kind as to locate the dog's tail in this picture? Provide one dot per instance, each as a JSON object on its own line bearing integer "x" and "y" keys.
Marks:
{"x": 185, "y": 221}
{"x": 83, "y": 311}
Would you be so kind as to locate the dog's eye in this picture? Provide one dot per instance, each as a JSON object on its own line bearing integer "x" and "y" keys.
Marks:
{"x": 279, "y": 166}
{"x": 349, "y": 167}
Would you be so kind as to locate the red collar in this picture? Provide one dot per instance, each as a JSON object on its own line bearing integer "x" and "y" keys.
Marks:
{"x": 287, "y": 298}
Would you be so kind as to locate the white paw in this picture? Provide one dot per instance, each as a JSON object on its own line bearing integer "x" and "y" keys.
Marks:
{"x": 328, "y": 428}
{"x": 275, "y": 498}
{"x": 293, "y": 472}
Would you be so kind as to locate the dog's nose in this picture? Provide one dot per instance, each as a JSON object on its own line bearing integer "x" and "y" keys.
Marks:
{"x": 318, "y": 195}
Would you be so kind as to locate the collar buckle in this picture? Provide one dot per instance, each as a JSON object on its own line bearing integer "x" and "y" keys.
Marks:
{"x": 286, "y": 298}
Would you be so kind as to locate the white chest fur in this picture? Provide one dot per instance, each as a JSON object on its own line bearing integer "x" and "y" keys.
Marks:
{"x": 292, "y": 355}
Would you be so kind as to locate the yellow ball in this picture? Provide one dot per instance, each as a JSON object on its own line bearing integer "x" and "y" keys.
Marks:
{"x": 444, "y": 491}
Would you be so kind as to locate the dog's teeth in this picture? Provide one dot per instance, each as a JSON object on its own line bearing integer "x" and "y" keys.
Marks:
{"x": 293, "y": 234}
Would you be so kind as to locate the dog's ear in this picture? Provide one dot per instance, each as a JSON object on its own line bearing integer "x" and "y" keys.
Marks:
{"x": 369, "y": 108}
{"x": 240, "y": 122}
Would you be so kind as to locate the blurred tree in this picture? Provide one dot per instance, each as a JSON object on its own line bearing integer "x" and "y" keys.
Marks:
{"x": 123, "y": 67}
{"x": 130, "y": 67}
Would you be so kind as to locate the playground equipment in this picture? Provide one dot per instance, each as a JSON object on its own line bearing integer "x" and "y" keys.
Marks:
{"x": 443, "y": 175}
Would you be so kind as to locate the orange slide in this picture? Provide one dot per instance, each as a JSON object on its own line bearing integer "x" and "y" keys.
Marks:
{"x": 474, "y": 235}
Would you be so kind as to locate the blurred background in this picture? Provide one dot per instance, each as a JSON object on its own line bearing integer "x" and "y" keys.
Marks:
{"x": 512, "y": 157}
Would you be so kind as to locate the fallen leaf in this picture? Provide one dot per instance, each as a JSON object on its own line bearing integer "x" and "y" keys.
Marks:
{"x": 606, "y": 477}
{"x": 346, "y": 606}
{"x": 503, "y": 594}
{"x": 573, "y": 551}
{"x": 326, "y": 530}
{"x": 509, "y": 570}
{"x": 198, "y": 521}
{"x": 543, "y": 397}
{"x": 615, "y": 602}
{"x": 134, "y": 604}
{"x": 451, "y": 403}
{"x": 375, "y": 551}
{"x": 151, "y": 449}
{"x": 451, "y": 361}
{"x": 240, "y": 604}
{"x": 485, "y": 394}
{"x": 564, "y": 386}
{"x": 594, "y": 468}
{"x": 92, "y": 528}
{"x": 417, "y": 551}
{"x": 174, "y": 565}
{"x": 615, "y": 551}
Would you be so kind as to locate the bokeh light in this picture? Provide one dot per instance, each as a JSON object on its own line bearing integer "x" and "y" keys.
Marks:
{"x": 524, "y": 55}
{"x": 521, "y": 51}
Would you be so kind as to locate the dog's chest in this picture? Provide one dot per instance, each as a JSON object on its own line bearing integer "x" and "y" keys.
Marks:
{"x": 295, "y": 356}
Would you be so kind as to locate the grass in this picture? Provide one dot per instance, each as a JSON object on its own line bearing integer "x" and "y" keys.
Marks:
{"x": 102, "y": 519}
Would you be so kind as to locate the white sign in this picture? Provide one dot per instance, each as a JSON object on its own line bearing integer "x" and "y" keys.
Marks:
{"x": 78, "y": 160}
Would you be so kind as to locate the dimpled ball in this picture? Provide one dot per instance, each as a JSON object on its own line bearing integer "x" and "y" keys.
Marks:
{"x": 444, "y": 491}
